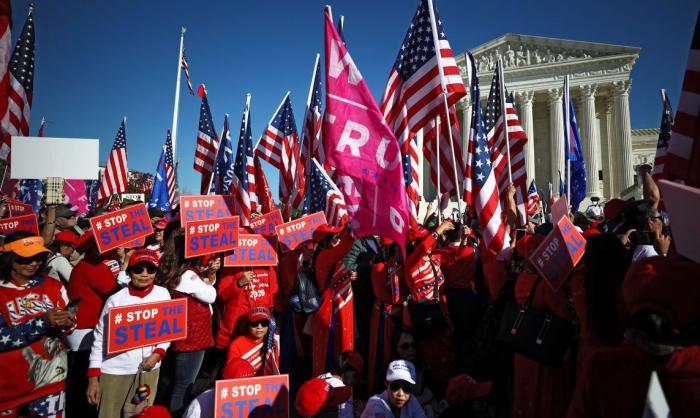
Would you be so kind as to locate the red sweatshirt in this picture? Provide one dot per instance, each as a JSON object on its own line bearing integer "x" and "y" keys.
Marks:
{"x": 93, "y": 283}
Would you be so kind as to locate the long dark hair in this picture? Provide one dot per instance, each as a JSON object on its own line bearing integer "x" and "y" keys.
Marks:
{"x": 605, "y": 264}
{"x": 172, "y": 262}
{"x": 7, "y": 259}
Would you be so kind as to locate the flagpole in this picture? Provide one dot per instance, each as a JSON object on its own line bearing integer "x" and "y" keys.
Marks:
{"x": 176, "y": 107}
{"x": 567, "y": 137}
{"x": 341, "y": 25}
{"x": 663, "y": 97}
{"x": 437, "y": 157}
{"x": 436, "y": 43}
{"x": 505, "y": 116}
{"x": 330, "y": 11}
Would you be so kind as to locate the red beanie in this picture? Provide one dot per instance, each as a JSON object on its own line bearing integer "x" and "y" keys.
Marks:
{"x": 237, "y": 368}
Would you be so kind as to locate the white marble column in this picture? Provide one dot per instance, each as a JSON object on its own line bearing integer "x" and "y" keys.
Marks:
{"x": 607, "y": 150}
{"x": 526, "y": 120}
{"x": 623, "y": 133}
{"x": 589, "y": 137}
{"x": 556, "y": 135}
{"x": 465, "y": 106}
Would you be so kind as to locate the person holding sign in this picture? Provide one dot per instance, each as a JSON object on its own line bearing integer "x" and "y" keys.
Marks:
{"x": 257, "y": 347}
{"x": 180, "y": 276}
{"x": 114, "y": 379}
{"x": 241, "y": 288}
{"x": 33, "y": 317}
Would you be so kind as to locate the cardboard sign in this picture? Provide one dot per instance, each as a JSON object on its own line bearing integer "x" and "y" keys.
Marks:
{"x": 137, "y": 197}
{"x": 266, "y": 224}
{"x": 196, "y": 208}
{"x": 681, "y": 203}
{"x": 253, "y": 250}
{"x": 18, "y": 208}
{"x": 211, "y": 236}
{"x": 560, "y": 209}
{"x": 265, "y": 396}
{"x": 68, "y": 158}
{"x": 293, "y": 233}
{"x": 146, "y": 324}
{"x": 26, "y": 223}
{"x": 559, "y": 253}
{"x": 114, "y": 229}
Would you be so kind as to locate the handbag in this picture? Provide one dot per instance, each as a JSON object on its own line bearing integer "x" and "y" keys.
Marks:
{"x": 427, "y": 317}
{"x": 139, "y": 400}
{"x": 536, "y": 333}
{"x": 309, "y": 298}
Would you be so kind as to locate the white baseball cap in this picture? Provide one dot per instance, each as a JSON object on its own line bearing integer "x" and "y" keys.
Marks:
{"x": 401, "y": 370}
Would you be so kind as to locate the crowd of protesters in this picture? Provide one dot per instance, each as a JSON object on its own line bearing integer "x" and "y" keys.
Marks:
{"x": 360, "y": 329}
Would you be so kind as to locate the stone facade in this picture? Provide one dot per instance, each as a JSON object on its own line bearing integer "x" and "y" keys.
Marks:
{"x": 600, "y": 85}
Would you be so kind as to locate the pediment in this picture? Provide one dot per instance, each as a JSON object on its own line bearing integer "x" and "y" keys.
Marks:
{"x": 536, "y": 52}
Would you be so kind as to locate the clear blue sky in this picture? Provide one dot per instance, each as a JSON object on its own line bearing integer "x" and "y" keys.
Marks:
{"x": 97, "y": 61}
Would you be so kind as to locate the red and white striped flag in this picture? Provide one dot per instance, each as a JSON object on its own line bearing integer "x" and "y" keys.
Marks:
{"x": 5, "y": 47}
{"x": 533, "y": 199}
{"x": 186, "y": 67}
{"x": 279, "y": 146}
{"x": 497, "y": 141}
{"x": 683, "y": 156}
{"x": 116, "y": 175}
{"x": 207, "y": 143}
{"x": 467, "y": 186}
{"x": 448, "y": 166}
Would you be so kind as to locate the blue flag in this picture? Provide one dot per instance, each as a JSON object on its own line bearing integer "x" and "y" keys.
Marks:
{"x": 574, "y": 155}
{"x": 164, "y": 179}
{"x": 223, "y": 170}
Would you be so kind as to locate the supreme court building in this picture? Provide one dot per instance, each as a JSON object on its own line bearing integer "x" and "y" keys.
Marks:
{"x": 534, "y": 68}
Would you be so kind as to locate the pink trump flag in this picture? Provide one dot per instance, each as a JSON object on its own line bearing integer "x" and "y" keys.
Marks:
{"x": 76, "y": 195}
{"x": 362, "y": 148}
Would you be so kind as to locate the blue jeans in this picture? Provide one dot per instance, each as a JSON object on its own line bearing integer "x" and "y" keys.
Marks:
{"x": 187, "y": 366}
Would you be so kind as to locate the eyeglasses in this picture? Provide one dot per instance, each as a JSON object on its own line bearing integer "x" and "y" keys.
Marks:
{"x": 41, "y": 258}
{"x": 407, "y": 346}
{"x": 401, "y": 385}
{"x": 151, "y": 269}
{"x": 264, "y": 323}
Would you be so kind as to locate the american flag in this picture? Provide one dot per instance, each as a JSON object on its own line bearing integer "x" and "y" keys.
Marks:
{"x": 311, "y": 146}
{"x": 485, "y": 190}
{"x": 533, "y": 199}
{"x": 516, "y": 137}
{"x": 664, "y": 139}
{"x": 683, "y": 157}
{"x": 279, "y": 145}
{"x": 21, "y": 72}
{"x": 323, "y": 195}
{"x": 186, "y": 67}
{"x": 170, "y": 168}
{"x": 470, "y": 66}
{"x": 410, "y": 174}
{"x": 243, "y": 180}
{"x": 414, "y": 92}
{"x": 223, "y": 169}
{"x": 447, "y": 164}
{"x": 207, "y": 142}
{"x": 116, "y": 176}
{"x": 266, "y": 203}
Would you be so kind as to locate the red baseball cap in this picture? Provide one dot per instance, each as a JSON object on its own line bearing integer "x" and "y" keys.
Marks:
{"x": 317, "y": 393}
{"x": 257, "y": 313}
{"x": 237, "y": 368}
{"x": 67, "y": 236}
{"x": 154, "y": 411}
{"x": 144, "y": 255}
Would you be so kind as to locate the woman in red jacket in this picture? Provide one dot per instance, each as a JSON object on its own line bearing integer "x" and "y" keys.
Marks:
{"x": 180, "y": 276}
{"x": 259, "y": 346}
{"x": 33, "y": 317}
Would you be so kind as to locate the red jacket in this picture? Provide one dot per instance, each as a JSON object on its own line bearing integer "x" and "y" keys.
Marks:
{"x": 420, "y": 272}
{"x": 237, "y": 300}
{"x": 93, "y": 282}
{"x": 250, "y": 350}
{"x": 32, "y": 356}
{"x": 459, "y": 266}
{"x": 327, "y": 259}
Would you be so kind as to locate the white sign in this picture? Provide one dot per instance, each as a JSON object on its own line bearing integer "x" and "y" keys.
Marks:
{"x": 681, "y": 203}
{"x": 68, "y": 158}
{"x": 138, "y": 197}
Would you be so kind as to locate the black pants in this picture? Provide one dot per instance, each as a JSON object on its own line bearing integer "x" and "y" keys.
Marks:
{"x": 77, "y": 384}
{"x": 464, "y": 312}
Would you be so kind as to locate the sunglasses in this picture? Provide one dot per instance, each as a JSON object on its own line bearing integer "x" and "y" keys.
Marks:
{"x": 264, "y": 323}
{"x": 29, "y": 260}
{"x": 407, "y": 346}
{"x": 400, "y": 385}
{"x": 140, "y": 269}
